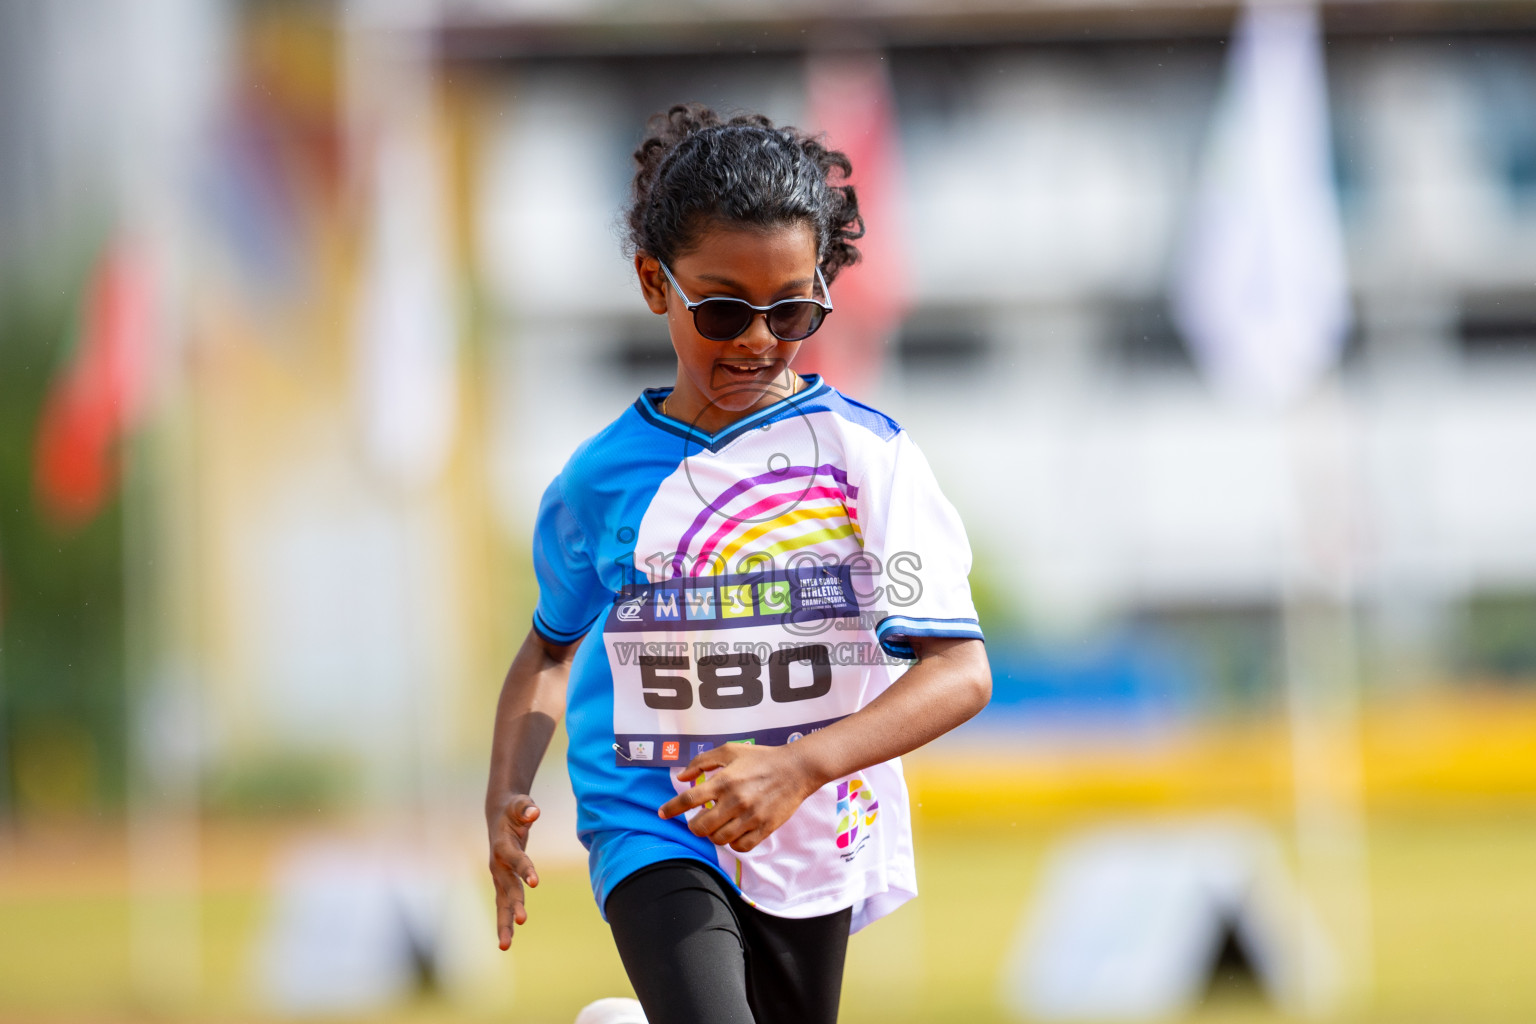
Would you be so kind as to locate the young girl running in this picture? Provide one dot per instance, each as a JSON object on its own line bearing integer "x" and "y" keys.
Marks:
{"x": 752, "y": 601}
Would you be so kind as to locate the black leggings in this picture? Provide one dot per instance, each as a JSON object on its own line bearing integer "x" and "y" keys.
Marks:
{"x": 697, "y": 953}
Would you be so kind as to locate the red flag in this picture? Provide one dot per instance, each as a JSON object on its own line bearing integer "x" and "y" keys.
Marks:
{"x": 849, "y": 98}
{"x": 99, "y": 393}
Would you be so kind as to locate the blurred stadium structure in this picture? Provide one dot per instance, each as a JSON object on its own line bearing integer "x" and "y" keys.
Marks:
{"x": 301, "y": 305}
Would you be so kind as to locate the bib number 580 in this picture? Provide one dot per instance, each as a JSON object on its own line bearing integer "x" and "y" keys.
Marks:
{"x": 727, "y": 681}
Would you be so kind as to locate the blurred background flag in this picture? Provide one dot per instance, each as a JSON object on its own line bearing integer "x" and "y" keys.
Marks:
{"x": 407, "y": 331}
{"x": 1262, "y": 296}
{"x": 1261, "y": 291}
{"x": 848, "y": 96}
{"x": 99, "y": 392}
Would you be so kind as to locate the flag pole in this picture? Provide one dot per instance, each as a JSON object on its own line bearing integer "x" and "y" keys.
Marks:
{"x": 168, "y": 46}
{"x": 1262, "y": 295}
{"x": 1322, "y": 685}
{"x": 164, "y": 716}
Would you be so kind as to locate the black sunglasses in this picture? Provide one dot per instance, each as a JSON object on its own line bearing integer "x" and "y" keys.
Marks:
{"x": 722, "y": 318}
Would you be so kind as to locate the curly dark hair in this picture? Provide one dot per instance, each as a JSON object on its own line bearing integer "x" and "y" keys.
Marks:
{"x": 695, "y": 167}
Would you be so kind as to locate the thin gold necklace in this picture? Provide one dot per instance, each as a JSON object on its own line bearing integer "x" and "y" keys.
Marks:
{"x": 799, "y": 387}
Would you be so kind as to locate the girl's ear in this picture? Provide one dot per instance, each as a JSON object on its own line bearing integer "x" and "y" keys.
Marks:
{"x": 653, "y": 283}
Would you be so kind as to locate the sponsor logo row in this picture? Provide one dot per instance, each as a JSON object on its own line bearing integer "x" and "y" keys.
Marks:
{"x": 819, "y": 592}
{"x": 696, "y": 604}
{"x": 662, "y": 751}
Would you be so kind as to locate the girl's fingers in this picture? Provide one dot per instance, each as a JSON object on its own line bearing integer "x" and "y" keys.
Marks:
{"x": 511, "y": 867}
{"x": 718, "y": 826}
{"x": 688, "y": 799}
{"x": 523, "y": 810}
{"x": 504, "y": 923}
{"x": 707, "y": 821}
{"x": 510, "y": 911}
{"x": 514, "y": 858}
{"x": 720, "y": 816}
{"x": 748, "y": 840}
{"x": 715, "y": 757}
{"x": 730, "y": 832}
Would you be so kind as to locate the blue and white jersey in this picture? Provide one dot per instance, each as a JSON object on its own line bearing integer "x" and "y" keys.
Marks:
{"x": 750, "y": 586}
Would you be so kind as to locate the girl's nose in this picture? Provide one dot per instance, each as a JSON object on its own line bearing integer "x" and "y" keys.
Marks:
{"x": 757, "y": 340}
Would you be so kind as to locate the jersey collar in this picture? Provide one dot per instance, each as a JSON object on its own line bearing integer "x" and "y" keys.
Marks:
{"x": 649, "y": 402}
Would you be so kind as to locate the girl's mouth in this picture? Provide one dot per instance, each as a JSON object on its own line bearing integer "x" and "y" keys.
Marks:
{"x": 755, "y": 372}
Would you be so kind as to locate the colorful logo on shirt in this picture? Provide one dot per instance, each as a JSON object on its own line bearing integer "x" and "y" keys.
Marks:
{"x": 670, "y": 750}
{"x": 773, "y": 597}
{"x": 629, "y": 611}
{"x": 799, "y": 596}
{"x": 856, "y": 809}
{"x": 736, "y": 602}
{"x": 700, "y": 603}
{"x": 666, "y": 607}
{"x": 772, "y": 514}
{"x": 640, "y": 750}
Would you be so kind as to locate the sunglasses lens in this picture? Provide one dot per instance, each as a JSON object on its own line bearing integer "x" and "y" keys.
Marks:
{"x": 722, "y": 319}
{"x": 795, "y": 321}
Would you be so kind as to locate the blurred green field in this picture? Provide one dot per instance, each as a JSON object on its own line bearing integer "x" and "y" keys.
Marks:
{"x": 1453, "y": 898}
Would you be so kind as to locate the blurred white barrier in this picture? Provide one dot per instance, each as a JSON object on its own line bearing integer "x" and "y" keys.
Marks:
{"x": 354, "y": 928}
{"x": 1132, "y": 922}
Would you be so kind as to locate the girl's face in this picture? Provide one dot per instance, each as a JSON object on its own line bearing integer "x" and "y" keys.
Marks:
{"x": 718, "y": 382}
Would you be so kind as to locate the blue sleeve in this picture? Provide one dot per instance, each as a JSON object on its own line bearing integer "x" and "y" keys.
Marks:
{"x": 571, "y": 596}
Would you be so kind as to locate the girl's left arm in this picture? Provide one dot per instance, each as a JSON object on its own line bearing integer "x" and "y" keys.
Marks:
{"x": 750, "y": 790}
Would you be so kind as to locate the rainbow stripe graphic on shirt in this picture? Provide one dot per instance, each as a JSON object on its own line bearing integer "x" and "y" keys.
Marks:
{"x": 856, "y": 808}
{"x": 769, "y": 515}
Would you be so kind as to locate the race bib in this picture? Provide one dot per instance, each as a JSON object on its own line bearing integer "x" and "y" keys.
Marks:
{"x": 763, "y": 657}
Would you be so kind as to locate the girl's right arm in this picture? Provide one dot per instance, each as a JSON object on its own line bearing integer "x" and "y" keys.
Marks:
{"x": 532, "y": 700}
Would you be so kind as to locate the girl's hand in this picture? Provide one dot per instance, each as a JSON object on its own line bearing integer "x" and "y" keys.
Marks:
{"x": 748, "y": 792}
{"x": 510, "y": 866}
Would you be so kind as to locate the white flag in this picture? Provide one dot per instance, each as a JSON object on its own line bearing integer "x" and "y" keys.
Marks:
{"x": 406, "y": 352}
{"x": 1261, "y": 292}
